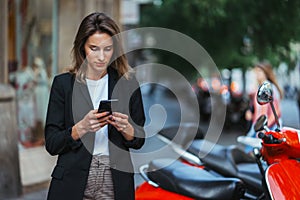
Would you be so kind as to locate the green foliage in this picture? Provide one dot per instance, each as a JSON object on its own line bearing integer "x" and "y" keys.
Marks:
{"x": 234, "y": 32}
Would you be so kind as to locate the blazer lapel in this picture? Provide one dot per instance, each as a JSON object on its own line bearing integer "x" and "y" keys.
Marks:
{"x": 112, "y": 80}
{"x": 82, "y": 104}
{"x": 85, "y": 93}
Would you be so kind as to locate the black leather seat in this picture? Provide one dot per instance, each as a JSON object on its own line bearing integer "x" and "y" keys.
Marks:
{"x": 193, "y": 182}
{"x": 229, "y": 161}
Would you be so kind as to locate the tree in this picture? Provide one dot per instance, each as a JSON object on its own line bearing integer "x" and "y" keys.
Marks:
{"x": 235, "y": 33}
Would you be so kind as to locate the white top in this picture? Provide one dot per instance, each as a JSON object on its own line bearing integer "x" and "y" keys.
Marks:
{"x": 99, "y": 91}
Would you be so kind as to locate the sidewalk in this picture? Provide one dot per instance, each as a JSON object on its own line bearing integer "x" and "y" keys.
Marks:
{"x": 33, "y": 193}
{"x": 35, "y": 169}
{"x": 36, "y": 165}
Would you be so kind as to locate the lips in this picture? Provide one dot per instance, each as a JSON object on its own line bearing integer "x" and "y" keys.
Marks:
{"x": 100, "y": 64}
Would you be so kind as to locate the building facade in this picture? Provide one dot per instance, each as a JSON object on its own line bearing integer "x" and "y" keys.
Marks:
{"x": 36, "y": 39}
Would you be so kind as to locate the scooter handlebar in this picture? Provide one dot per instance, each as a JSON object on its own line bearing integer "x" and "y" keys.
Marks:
{"x": 269, "y": 138}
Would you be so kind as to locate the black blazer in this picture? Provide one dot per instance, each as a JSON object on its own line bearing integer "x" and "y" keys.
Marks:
{"x": 69, "y": 102}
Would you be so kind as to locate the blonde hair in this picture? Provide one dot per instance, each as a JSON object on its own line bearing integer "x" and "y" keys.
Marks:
{"x": 267, "y": 69}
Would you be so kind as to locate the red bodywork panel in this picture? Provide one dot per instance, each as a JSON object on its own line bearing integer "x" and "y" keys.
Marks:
{"x": 148, "y": 192}
{"x": 283, "y": 180}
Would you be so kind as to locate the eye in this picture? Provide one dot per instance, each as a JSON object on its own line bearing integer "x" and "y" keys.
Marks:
{"x": 109, "y": 48}
{"x": 94, "y": 48}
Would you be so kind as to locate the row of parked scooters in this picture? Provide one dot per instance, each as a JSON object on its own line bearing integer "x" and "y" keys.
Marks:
{"x": 211, "y": 171}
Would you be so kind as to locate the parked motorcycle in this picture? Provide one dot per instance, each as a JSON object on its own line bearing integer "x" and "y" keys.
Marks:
{"x": 171, "y": 179}
{"x": 228, "y": 161}
{"x": 223, "y": 161}
{"x": 185, "y": 178}
{"x": 280, "y": 150}
{"x": 189, "y": 177}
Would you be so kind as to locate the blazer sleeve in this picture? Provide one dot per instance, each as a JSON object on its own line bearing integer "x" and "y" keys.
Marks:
{"x": 58, "y": 137}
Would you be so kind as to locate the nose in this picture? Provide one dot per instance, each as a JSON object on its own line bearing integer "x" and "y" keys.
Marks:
{"x": 101, "y": 56}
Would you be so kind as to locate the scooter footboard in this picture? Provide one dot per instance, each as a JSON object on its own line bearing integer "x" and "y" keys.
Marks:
{"x": 193, "y": 182}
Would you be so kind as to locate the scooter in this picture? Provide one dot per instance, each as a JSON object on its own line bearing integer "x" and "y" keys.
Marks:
{"x": 186, "y": 178}
{"x": 280, "y": 150}
{"x": 171, "y": 179}
{"x": 222, "y": 161}
{"x": 228, "y": 161}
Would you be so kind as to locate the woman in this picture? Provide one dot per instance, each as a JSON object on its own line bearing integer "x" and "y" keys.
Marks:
{"x": 93, "y": 148}
{"x": 264, "y": 72}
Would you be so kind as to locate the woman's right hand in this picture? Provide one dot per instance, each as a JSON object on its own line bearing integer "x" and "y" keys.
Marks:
{"x": 91, "y": 122}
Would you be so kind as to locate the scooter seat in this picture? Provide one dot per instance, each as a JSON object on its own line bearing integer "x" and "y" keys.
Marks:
{"x": 229, "y": 161}
{"x": 193, "y": 182}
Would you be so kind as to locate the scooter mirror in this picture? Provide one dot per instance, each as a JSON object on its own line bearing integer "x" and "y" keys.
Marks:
{"x": 265, "y": 93}
{"x": 264, "y": 96}
{"x": 261, "y": 122}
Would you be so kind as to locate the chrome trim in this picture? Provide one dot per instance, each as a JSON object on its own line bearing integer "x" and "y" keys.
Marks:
{"x": 142, "y": 170}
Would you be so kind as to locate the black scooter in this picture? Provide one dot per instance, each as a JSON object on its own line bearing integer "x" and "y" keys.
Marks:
{"x": 221, "y": 161}
{"x": 172, "y": 179}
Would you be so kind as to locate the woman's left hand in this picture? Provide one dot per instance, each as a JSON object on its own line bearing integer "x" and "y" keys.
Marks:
{"x": 120, "y": 122}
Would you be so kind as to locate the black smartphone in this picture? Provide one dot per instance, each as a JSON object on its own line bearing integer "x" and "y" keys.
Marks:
{"x": 105, "y": 105}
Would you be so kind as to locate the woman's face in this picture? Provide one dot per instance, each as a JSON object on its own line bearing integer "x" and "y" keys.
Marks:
{"x": 99, "y": 50}
{"x": 260, "y": 75}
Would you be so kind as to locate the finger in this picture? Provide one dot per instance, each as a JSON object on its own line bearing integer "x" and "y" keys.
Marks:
{"x": 93, "y": 122}
{"x": 115, "y": 124}
{"x": 112, "y": 122}
{"x": 119, "y": 120}
{"x": 123, "y": 126}
{"x": 119, "y": 128}
{"x": 120, "y": 115}
{"x": 104, "y": 119}
{"x": 120, "y": 124}
{"x": 99, "y": 125}
{"x": 102, "y": 114}
{"x": 94, "y": 111}
{"x": 102, "y": 124}
{"x": 95, "y": 127}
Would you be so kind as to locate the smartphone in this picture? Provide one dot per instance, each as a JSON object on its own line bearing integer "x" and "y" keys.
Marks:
{"x": 105, "y": 105}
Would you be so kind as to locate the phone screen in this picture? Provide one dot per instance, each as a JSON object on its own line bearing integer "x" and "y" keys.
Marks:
{"x": 105, "y": 105}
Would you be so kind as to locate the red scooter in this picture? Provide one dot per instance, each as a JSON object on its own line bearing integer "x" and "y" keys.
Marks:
{"x": 280, "y": 150}
{"x": 172, "y": 179}
{"x": 277, "y": 160}
{"x": 185, "y": 178}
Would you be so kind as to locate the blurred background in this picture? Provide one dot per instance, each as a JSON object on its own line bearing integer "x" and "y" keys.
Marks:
{"x": 36, "y": 38}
